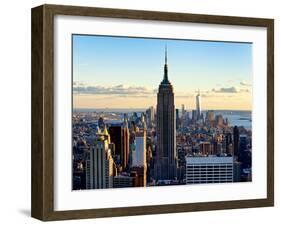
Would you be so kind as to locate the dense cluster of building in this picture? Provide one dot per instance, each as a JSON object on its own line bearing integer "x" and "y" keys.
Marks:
{"x": 162, "y": 146}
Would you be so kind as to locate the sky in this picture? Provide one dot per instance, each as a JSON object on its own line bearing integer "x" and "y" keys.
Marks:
{"x": 125, "y": 72}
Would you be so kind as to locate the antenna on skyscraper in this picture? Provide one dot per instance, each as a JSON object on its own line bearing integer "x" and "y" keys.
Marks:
{"x": 165, "y": 53}
{"x": 165, "y": 79}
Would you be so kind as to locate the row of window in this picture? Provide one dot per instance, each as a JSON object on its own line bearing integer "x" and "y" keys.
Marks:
{"x": 204, "y": 181}
{"x": 207, "y": 182}
{"x": 208, "y": 172}
{"x": 217, "y": 177}
{"x": 208, "y": 178}
{"x": 209, "y": 169}
{"x": 209, "y": 166}
{"x": 209, "y": 175}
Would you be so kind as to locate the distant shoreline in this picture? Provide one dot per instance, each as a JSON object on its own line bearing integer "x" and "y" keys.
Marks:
{"x": 144, "y": 109}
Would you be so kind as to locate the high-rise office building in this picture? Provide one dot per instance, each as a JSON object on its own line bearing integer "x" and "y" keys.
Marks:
{"x": 183, "y": 111}
{"x": 242, "y": 142}
{"x": 126, "y": 143}
{"x": 219, "y": 120}
{"x": 166, "y": 156}
{"x": 101, "y": 123}
{"x": 115, "y": 132}
{"x": 194, "y": 115}
{"x": 142, "y": 120}
{"x": 245, "y": 155}
{"x": 150, "y": 113}
{"x": 139, "y": 155}
{"x": 211, "y": 169}
{"x": 236, "y": 171}
{"x": 186, "y": 116}
{"x": 228, "y": 142}
{"x": 99, "y": 164}
{"x": 177, "y": 118}
{"x": 210, "y": 116}
{"x": 119, "y": 135}
{"x": 181, "y": 163}
{"x": 236, "y": 137}
{"x": 198, "y": 105}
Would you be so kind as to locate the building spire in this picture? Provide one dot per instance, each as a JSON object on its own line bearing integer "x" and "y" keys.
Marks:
{"x": 165, "y": 54}
{"x": 165, "y": 79}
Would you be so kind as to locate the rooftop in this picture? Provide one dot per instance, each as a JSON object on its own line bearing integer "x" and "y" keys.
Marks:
{"x": 211, "y": 159}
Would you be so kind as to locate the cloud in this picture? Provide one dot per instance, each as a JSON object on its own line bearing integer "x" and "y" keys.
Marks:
{"x": 230, "y": 90}
{"x": 226, "y": 90}
{"x": 75, "y": 83}
{"x": 230, "y": 81}
{"x": 118, "y": 90}
{"x": 244, "y": 90}
{"x": 207, "y": 95}
{"x": 184, "y": 96}
{"x": 244, "y": 83}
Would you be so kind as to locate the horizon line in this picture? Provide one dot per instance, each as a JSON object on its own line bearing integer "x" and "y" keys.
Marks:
{"x": 106, "y": 108}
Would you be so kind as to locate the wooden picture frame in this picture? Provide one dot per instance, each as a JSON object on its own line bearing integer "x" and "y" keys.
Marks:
{"x": 42, "y": 203}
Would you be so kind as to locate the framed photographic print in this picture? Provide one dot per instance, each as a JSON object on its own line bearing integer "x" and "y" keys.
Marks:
{"x": 141, "y": 112}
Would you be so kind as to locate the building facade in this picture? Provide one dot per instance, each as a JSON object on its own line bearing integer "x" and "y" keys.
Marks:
{"x": 139, "y": 157}
{"x": 211, "y": 169}
{"x": 99, "y": 164}
{"x": 166, "y": 155}
{"x": 205, "y": 148}
{"x": 123, "y": 181}
{"x": 198, "y": 105}
{"x": 150, "y": 113}
{"x": 210, "y": 116}
{"x": 236, "y": 137}
{"x": 120, "y": 137}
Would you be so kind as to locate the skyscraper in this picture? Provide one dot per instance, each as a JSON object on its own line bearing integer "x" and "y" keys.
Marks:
{"x": 126, "y": 144}
{"x": 150, "y": 116}
{"x": 100, "y": 164}
{"x": 177, "y": 118}
{"x": 219, "y": 120}
{"x": 228, "y": 142}
{"x": 210, "y": 116}
{"x": 194, "y": 115}
{"x": 101, "y": 123}
{"x": 140, "y": 152}
{"x": 198, "y": 105}
{"x": 115, "y": 132}
{"x": 166, "y": 145}
{"x": 236, "y": 141}
{"x": 120, "y": 137}
{"x": 183, "y": 110}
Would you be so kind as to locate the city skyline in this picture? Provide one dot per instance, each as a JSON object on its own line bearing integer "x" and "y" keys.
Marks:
{"x": 160, "y": 147}
{"x": 117, "y": 71}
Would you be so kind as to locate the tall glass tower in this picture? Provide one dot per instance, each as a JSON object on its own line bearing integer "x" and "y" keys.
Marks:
{"x": 198, "y": 105}
{"x": 166, "y": 155}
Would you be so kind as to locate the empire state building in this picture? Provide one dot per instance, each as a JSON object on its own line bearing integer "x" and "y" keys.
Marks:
{"x": 166, "y": 156}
